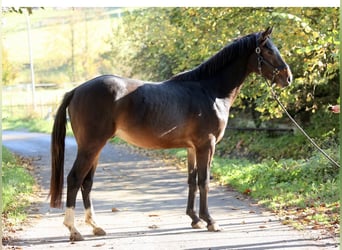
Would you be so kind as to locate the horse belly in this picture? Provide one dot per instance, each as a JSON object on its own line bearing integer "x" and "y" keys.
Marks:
{"x": 145, "y": 139}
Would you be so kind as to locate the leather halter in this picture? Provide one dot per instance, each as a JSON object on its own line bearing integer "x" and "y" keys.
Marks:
{"x": 261, "y": 59}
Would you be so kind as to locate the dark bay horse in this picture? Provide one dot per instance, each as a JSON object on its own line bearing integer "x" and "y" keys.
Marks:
{"x": 190, "y": 110}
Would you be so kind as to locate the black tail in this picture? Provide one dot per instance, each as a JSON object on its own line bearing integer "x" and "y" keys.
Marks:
{"x": 57, "y": 152}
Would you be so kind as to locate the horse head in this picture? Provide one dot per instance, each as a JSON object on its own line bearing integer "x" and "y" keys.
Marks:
{"x": 268, "y": 62}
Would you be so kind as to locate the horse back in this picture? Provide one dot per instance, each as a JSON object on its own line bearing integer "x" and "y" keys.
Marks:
{"x": 150, "y": 115}
{"x": 168, "y": 115}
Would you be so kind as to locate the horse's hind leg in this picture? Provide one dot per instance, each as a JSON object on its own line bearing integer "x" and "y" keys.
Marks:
{"x": 69, "y": 219}
{"x": 82, "y": 166}
{"x": 192, "y": 181}
{"x": 89, "y": 211}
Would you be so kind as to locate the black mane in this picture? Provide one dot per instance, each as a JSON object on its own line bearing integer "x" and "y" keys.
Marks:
{"x": 237, "y": 48}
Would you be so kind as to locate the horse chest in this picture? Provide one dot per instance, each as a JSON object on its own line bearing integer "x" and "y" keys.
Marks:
{"x": 221, "y": 109}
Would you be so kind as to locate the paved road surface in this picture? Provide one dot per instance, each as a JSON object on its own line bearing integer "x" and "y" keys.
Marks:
{"x": 150, "y": 196}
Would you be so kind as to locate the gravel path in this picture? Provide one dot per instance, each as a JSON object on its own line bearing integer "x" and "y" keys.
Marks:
{"x": 141, "y": 202}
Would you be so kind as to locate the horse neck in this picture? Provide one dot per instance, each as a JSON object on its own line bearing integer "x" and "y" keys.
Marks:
{"x": 228, "y": 82}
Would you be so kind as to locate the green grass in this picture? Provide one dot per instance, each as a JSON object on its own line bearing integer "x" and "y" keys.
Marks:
{"x": 284, "y": 183}
{"x": 31, "y": 124}
{"x": 17, "y": 186}
{"x": 287, "y": 187}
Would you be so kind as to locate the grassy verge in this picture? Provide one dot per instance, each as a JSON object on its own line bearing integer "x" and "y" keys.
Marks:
{"x": 17, "y": 186}
{"x": 304, "y": 193}
{"x": 31, "y": 124}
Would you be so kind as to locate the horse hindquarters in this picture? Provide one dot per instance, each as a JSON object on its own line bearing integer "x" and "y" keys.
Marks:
{"x": 57, "y": 167}
{"x": 92, "y": 120}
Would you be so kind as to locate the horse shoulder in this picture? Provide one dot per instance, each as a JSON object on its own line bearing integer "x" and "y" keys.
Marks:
{"x": 222, "y": 107}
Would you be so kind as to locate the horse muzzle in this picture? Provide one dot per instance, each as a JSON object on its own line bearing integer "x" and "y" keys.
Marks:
{"x": 283, "y": 78}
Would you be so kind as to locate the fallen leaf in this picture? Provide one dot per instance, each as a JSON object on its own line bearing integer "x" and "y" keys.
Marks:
{"x": 114, "y": 209}
{"x": 153, "y": 227}
{"x": 247, "y": 191}
{"x": 285, "y": 222}
{"x": 316, "y": 227}
{"x": 100, "y": 244}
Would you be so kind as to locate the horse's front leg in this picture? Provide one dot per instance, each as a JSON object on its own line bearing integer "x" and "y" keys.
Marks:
{"x": 204, "y": 158}
{"x": 192, "y": 181}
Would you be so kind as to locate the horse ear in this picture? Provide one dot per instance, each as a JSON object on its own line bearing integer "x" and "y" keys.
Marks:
{"x": 265, "y": 35}
{"x": 268, "y": 31}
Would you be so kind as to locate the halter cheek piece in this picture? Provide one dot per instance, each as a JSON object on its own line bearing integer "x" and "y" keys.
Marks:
{"x": 261, "y": 59}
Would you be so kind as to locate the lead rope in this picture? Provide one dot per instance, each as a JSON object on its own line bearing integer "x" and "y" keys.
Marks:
{"x": 274, "y": 95}
{"x": 301, "y": 129}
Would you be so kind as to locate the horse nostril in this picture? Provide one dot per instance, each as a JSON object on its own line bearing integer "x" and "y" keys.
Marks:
{"x": 289, "y": 73}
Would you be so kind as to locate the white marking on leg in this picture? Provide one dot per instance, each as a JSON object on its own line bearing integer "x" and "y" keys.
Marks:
{"x": 69, "y": 222}
{"x": 90, "y": 219}
{"x": 69, "y": 217}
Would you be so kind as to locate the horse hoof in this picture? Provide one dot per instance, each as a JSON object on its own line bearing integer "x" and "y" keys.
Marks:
{"x": 198, "y": 225}
{"x": 98, "y": 231}
{"x": 76, "y": 236}
{"x": 214, "y": 228}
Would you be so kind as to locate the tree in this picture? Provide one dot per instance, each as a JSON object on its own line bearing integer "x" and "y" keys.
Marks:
{"x": 18, "y": 9}
{"x": 8, "y": 70}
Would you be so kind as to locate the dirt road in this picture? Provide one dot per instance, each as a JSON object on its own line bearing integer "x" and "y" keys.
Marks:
{"x": 149, "y": 198}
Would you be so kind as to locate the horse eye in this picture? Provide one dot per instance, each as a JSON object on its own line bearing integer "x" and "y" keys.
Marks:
{"x": 270, "y": 52}
{"x": 268, "y": 49}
